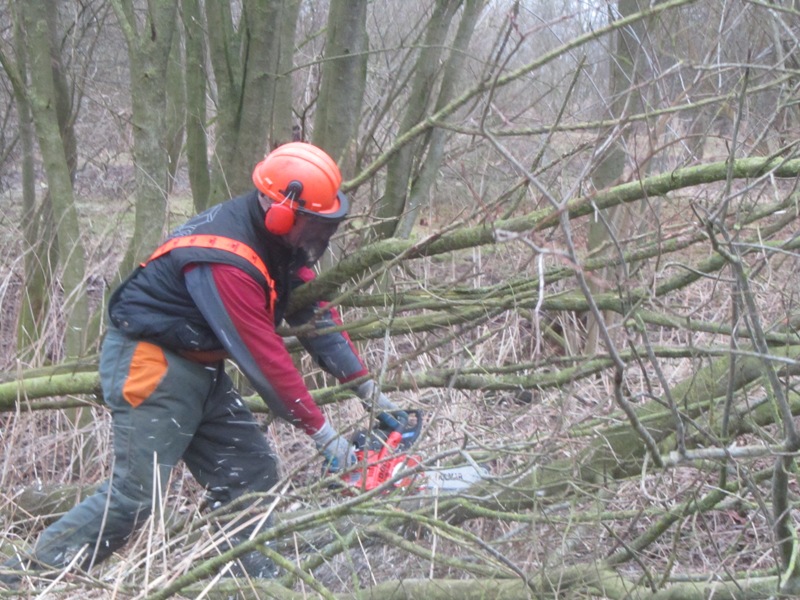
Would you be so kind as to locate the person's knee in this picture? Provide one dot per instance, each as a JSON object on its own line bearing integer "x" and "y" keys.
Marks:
{"x": 131, "y": 500}
{"x": 260, "y": 474}
{"x": 257, "y": 478}
{"x": 140, "y": 481}
{"x": 265, "y": 475}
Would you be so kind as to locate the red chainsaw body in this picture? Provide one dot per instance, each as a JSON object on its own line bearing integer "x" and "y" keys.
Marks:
{"x": 376, "y": 467}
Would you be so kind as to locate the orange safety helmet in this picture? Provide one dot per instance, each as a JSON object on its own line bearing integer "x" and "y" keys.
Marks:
{"x": 298, "y": 176}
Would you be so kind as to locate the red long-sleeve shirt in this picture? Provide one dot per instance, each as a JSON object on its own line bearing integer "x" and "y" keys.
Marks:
{"x": 236, "y": 308}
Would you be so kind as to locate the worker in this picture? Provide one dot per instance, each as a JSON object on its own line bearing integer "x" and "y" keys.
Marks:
{"x": 216, "y": 289}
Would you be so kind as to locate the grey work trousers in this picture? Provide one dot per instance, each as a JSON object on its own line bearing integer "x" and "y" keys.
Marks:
{"x": 164, "y": 408}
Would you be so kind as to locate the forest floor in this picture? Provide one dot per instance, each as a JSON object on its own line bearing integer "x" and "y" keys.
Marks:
{"x": 46, "y": 449}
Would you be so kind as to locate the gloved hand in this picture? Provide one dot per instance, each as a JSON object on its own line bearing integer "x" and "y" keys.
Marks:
{"x": 338, "y": 452}
{"x": 373, "y": 397}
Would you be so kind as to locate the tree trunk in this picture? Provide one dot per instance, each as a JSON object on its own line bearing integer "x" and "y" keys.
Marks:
{"x": 39, "y": 249}
{"x": 175, "y": 112}
{"x": 282, "y": 121}
{"x": 625, "y": 64}
{"x": 58, "y": 155}
{"x": 196, "y": 120}
{"x": 401, "y": 166}
{"x": 247, "y": 60}
{"x": 453, "y": 71}
{"x": 149, "y": 43}
{"x": 344, "y": 76}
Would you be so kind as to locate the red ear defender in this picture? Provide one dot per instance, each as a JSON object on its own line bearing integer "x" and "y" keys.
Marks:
{"x": 280, "y": 218}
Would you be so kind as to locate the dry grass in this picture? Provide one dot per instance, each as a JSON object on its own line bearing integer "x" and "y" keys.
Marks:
{"x": 596, "y": 520}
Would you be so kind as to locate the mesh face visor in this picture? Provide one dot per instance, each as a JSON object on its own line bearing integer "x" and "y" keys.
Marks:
{"x": 312, "y": 231}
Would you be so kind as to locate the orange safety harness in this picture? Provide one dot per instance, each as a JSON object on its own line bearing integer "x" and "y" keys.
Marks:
{"x": 220, "y": 243}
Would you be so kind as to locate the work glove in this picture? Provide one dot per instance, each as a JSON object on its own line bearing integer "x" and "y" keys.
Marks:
{"x": 338, "y": 452}
{"x": 390, "y": 415}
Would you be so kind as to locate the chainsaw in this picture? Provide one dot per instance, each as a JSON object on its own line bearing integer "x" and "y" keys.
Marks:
{"x": 383, "y": 454}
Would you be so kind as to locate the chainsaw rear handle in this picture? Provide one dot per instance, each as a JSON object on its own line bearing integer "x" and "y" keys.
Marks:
{"x": 409, "y": 432}
{"x": 392, "y": 420}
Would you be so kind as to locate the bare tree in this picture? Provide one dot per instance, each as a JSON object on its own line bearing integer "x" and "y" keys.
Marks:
{"x": 344, "y": 75}
{"x": 49, "y": 101}
{"x": 149, "y": 34}
{"x": 423, "y": 84}
{"x": 657, "y": 464}
{"x": 627, "y": 66}
{"x": 250, "y": 56}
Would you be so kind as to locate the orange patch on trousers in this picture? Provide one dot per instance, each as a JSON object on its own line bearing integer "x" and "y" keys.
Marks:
{"x": 147, "y": 369}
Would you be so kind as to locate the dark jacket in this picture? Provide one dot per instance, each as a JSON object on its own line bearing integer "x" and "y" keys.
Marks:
{"x": 212, "y": 302}
{"x": 153, "y": 304}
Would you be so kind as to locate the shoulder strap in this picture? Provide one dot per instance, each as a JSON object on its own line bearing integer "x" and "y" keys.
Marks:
{"x": 219, "y": 243}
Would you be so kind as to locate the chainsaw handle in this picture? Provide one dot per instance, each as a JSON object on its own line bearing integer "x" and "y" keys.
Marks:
{"x": 394, "y": 420}
{"x": 409, "y": 434}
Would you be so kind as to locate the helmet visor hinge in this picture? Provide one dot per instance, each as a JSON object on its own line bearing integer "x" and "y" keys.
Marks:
{"x": 293, "y": 192}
